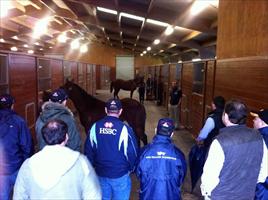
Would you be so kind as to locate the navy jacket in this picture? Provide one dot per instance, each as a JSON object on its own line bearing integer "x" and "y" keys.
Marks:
{"x": 15, "y": 141}
{"x": 262, "y": 188}
{"x": 161, "y": 170}
{"x": 111, "y": 147}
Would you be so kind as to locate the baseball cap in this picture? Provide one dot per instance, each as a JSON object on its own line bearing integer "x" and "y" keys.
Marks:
{"x": 6, "y": 100}
{"x": 165, "y": 126}
{"x": 262, "y": 114}
{"x": 113, "y": 105}
{"x": 58, "y": 95}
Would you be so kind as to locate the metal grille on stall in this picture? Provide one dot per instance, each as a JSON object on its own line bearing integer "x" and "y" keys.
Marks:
{"x": 4, "y": 87}
{"x": 163, "y": 86}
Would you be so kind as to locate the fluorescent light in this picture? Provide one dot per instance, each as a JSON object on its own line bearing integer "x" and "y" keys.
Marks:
{"x": 15, "y": 37}
{"x": 196, "y": 59}
{"x": 106, "y": 10}
{"x": 179, "y": 61}
{"x": 40, "y": 27}
{"x": 30, "y": 51}
{"x": 75, "y": 44}
{"x": 144, "y": 52}
{"x": 161, "y": 51}
{"x": 26, "y": 45}
{"x": 41, "y": 49}
{"x": 198, "y": 6}
{"x": 2, "y": 40}
{"x": 36, "y": 43}
{"x": 155, "y": 22}
{"x": 83, "y": 48}
{"x": 131, "y": 16}
{"x": 50, "y": 47}
{"x": 169, "y": 30}
{"x": 141, "y": 54}
{"x": 14, "y": 49}
{"x": 156, "y": 41}
{"x": 5, "y": 5}
{"x": 62, "y": 38}
{"x": 149, "y": 48}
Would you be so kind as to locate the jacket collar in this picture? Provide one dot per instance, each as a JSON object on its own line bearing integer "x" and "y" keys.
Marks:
{"x": 161, "y": 139}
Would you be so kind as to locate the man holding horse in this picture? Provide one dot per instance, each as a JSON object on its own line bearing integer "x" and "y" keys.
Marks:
{"x": 112, "y": 149}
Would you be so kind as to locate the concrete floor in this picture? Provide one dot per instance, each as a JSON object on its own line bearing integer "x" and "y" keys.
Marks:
{"x": 182, "y": 139}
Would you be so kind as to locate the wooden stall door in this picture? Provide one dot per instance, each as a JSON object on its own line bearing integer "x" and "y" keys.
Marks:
{"x": 196, "y": 115}
{"x": 23, "y": 86}
{"x": 93, "y": 79}
{"x": 89, "y": 79}
{"x": 57, "y": 73}
{"x": 4, "y": 87}
{"x": 98, "y": 77}
{"x": 74, "y": 71}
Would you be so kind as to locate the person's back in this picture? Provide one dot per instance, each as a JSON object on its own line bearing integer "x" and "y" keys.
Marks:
{"x": 111, "y": 147}
{"x": 15, "y": 145}
{"x": 162, "y": 167}
{"x": 56, "y": 109}
{"x": 56, "y": 172}
{"x": 235, "y": 157}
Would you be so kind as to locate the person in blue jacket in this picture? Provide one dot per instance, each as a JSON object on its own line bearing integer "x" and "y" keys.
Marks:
{"x": 112, "y": 148}
{"x": 260, "y": 122}
{"x": 15, "y": 145}
{"x": 161, "y": 166}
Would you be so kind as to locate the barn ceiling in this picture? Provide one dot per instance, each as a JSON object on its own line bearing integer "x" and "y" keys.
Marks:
{"x": 182, "y": 28}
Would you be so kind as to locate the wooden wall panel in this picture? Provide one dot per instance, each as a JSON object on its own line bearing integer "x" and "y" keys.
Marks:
{"x": 98, "y": 77}
{"x": 196, "y": 114}
{"x": 187, "y": 87}
{"x": 209, "y": 85}
{"x": 23, "y": 86}
{"x": 112, "y": 73}
{"x": 74, "y": 71}
{"x": 245, "y": 79}
{"x": 242, "y": 28}
{"x": 57, "y": 73}
{"x": 85, "y": 76}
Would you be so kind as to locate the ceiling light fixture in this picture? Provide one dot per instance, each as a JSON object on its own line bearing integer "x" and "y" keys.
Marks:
{"x": 156, "y": 41}
{"x": 37, "y": 43}
{"x": 41, "y": 27}
{"x": 75, "y": 44}
{"x": 41, "y": 49}
{"x": 62, "y": 38}
{"x": 2, "y": 40}
{"x": 196, "y": 59}
{"x": 83, "y": 48}
{"x": 161, "y": 51}
{"x": 149, "y": 48}
{"x": 144, "y": 52}
{"x": 169, "y": 30}
{"x": 15, "y": 37}
{"x": 141, "y": 54}
{"x": 30, "y": 51}
{"x": 50, "y": 47}
{"x": 14, "y": 49}
{"x": 4, "y": 7}
{"x": 179, "y": 61}
{"x": 131, "y": 16}
{"x": 26, "y": 45}
{"x": 106, "y": 10}
{"x": 198, "y": 6}
{"x": 155, "y": 22}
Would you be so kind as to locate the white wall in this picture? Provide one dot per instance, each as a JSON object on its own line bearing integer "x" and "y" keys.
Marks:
{"x": 125, "y": 67}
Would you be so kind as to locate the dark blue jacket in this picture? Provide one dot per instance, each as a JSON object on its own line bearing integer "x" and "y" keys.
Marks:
{"x": 161, "y": 170}
{"x": 15, "y": 141}
{"x": 262, "y": 188}
{"x": 111, "y": 147}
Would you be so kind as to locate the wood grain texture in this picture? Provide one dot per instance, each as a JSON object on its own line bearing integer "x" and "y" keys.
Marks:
{"x": 56, "y": 73}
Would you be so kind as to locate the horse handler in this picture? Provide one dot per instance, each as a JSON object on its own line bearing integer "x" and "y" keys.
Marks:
{"x": 112, "y": 148}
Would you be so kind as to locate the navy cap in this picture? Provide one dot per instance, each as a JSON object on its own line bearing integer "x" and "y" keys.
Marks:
{"x": 262, "y": 114}
{"x": 113, "y": 105}
{"x": 6, "y": 100}
{"x": 58, "y": 95}
{"x": 165, "y": 126}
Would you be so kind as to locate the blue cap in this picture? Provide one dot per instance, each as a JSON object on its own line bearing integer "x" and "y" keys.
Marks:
{"x": 6, "y": 100}
{"x": 165, "y": 126}
{"x": 58, "y": 95}
{"x": 113, "y": 105}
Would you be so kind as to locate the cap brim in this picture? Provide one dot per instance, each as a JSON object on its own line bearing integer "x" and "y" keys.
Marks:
{"x": 254, "y": 114}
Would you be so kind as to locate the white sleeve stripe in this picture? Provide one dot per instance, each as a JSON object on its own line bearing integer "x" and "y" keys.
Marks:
{"x": 123, "y": 139}
{"x": 93, "y": 138}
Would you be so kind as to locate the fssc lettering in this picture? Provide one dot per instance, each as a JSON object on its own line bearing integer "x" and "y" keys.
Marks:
{"x": 108, "y": 131}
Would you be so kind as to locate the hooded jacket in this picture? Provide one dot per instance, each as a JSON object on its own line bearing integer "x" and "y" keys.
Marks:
{"x": 57, "y": 172}
{"x": 51, "y": 110}
{"x": 15, "y": 142}
{"x": 161, "y": 170}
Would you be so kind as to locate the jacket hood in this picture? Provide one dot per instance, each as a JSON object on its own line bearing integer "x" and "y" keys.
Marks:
{"x": 50, "y": 164}
{"x": 53, "y": 110}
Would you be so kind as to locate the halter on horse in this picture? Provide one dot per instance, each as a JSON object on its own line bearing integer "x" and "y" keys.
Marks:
{"x": 91, "y": 109}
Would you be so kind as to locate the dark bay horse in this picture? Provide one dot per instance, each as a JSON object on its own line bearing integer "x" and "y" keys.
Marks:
{"x": 91, "y": 109}
{"x": 129, "y": 85}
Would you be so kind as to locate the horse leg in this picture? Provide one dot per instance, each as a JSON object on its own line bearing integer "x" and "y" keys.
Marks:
{"x": 116, "y": 91}
{"x": 131, "y": 93}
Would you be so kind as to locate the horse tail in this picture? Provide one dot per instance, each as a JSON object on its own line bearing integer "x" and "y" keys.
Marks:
{"x": 111, "y": 86}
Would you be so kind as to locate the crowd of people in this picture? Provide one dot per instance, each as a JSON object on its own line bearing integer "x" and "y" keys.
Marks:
{"x": 236, "y": 164}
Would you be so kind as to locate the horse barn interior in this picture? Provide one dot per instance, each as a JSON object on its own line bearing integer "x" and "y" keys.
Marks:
{"x": 211, "y": 47}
